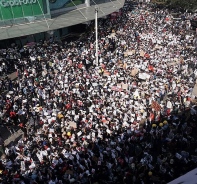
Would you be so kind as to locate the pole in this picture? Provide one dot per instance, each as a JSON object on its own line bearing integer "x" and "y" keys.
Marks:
{"x": 87, "y": 2}
{"x": 96, "y": 33}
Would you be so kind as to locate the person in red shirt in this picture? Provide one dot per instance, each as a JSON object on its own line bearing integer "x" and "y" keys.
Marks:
{"x": 12, "y": 114}
{"x": 68, "y": 106}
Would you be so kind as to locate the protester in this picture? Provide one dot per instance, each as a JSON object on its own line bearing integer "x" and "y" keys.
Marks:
{"x": 131, "y": 118}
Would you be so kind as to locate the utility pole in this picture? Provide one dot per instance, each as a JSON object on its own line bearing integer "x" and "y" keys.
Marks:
{"x": 96, "y": 32}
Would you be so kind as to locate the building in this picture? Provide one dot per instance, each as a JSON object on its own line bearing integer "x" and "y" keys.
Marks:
{"x": 32, "y": 20}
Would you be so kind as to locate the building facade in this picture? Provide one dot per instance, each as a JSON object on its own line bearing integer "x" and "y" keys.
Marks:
{"x": 27, "y": 19}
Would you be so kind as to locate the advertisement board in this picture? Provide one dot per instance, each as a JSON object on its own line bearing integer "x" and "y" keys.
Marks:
{"x": 12, "y": 9}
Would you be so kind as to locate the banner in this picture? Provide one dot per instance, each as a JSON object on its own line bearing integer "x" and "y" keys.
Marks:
{"x": 12, "y": 9}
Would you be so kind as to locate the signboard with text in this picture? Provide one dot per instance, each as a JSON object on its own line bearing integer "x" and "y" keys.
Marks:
{"x": 12, "y": 9}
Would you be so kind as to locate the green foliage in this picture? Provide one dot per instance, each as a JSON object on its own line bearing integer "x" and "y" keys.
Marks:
{"x": 183, "y": 4}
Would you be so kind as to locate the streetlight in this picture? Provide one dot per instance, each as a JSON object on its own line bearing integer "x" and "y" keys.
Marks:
{"x": 96, "y": 32}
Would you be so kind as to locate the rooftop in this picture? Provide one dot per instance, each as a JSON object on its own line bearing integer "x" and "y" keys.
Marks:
{"x": 73, "y": 17}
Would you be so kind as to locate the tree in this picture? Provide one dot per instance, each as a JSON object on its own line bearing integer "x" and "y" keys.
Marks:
{"x": 190, "y": 5}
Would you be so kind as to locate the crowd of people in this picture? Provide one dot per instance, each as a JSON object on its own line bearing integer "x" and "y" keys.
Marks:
{"x": 130, "y": 118}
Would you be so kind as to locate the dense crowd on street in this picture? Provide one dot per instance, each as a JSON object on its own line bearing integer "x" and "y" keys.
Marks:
{"x": 129, "y": 118}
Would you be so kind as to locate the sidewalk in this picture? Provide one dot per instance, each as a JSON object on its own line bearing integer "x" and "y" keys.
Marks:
{"x": 9, "y": 137}
{"x": 14, "y": 137}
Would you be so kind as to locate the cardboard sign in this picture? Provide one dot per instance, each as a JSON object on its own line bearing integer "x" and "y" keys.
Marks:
{"x": 134, "y": 72}
{"x": 72, "y": 124}
{"x": 142, "y": 53}
{"x": 175, "y": 61}
{"x": 144, "y": 76}
{"x": 131, "y": 52}
{"x": 158, "y": 47}
{"x": 112, "y": 35}
{"x": 79, "y": 133}
{"x": 115, "y": 88}
{"x": 94, "y": 84}
{"x": 125, "y": 86}
{"x": 119, "y": 85}
{"x": 121, "y": 78}
{"x": 106, "y": 73}
{"x": 125, "y": 54}
{"x": 51, "y": 130}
